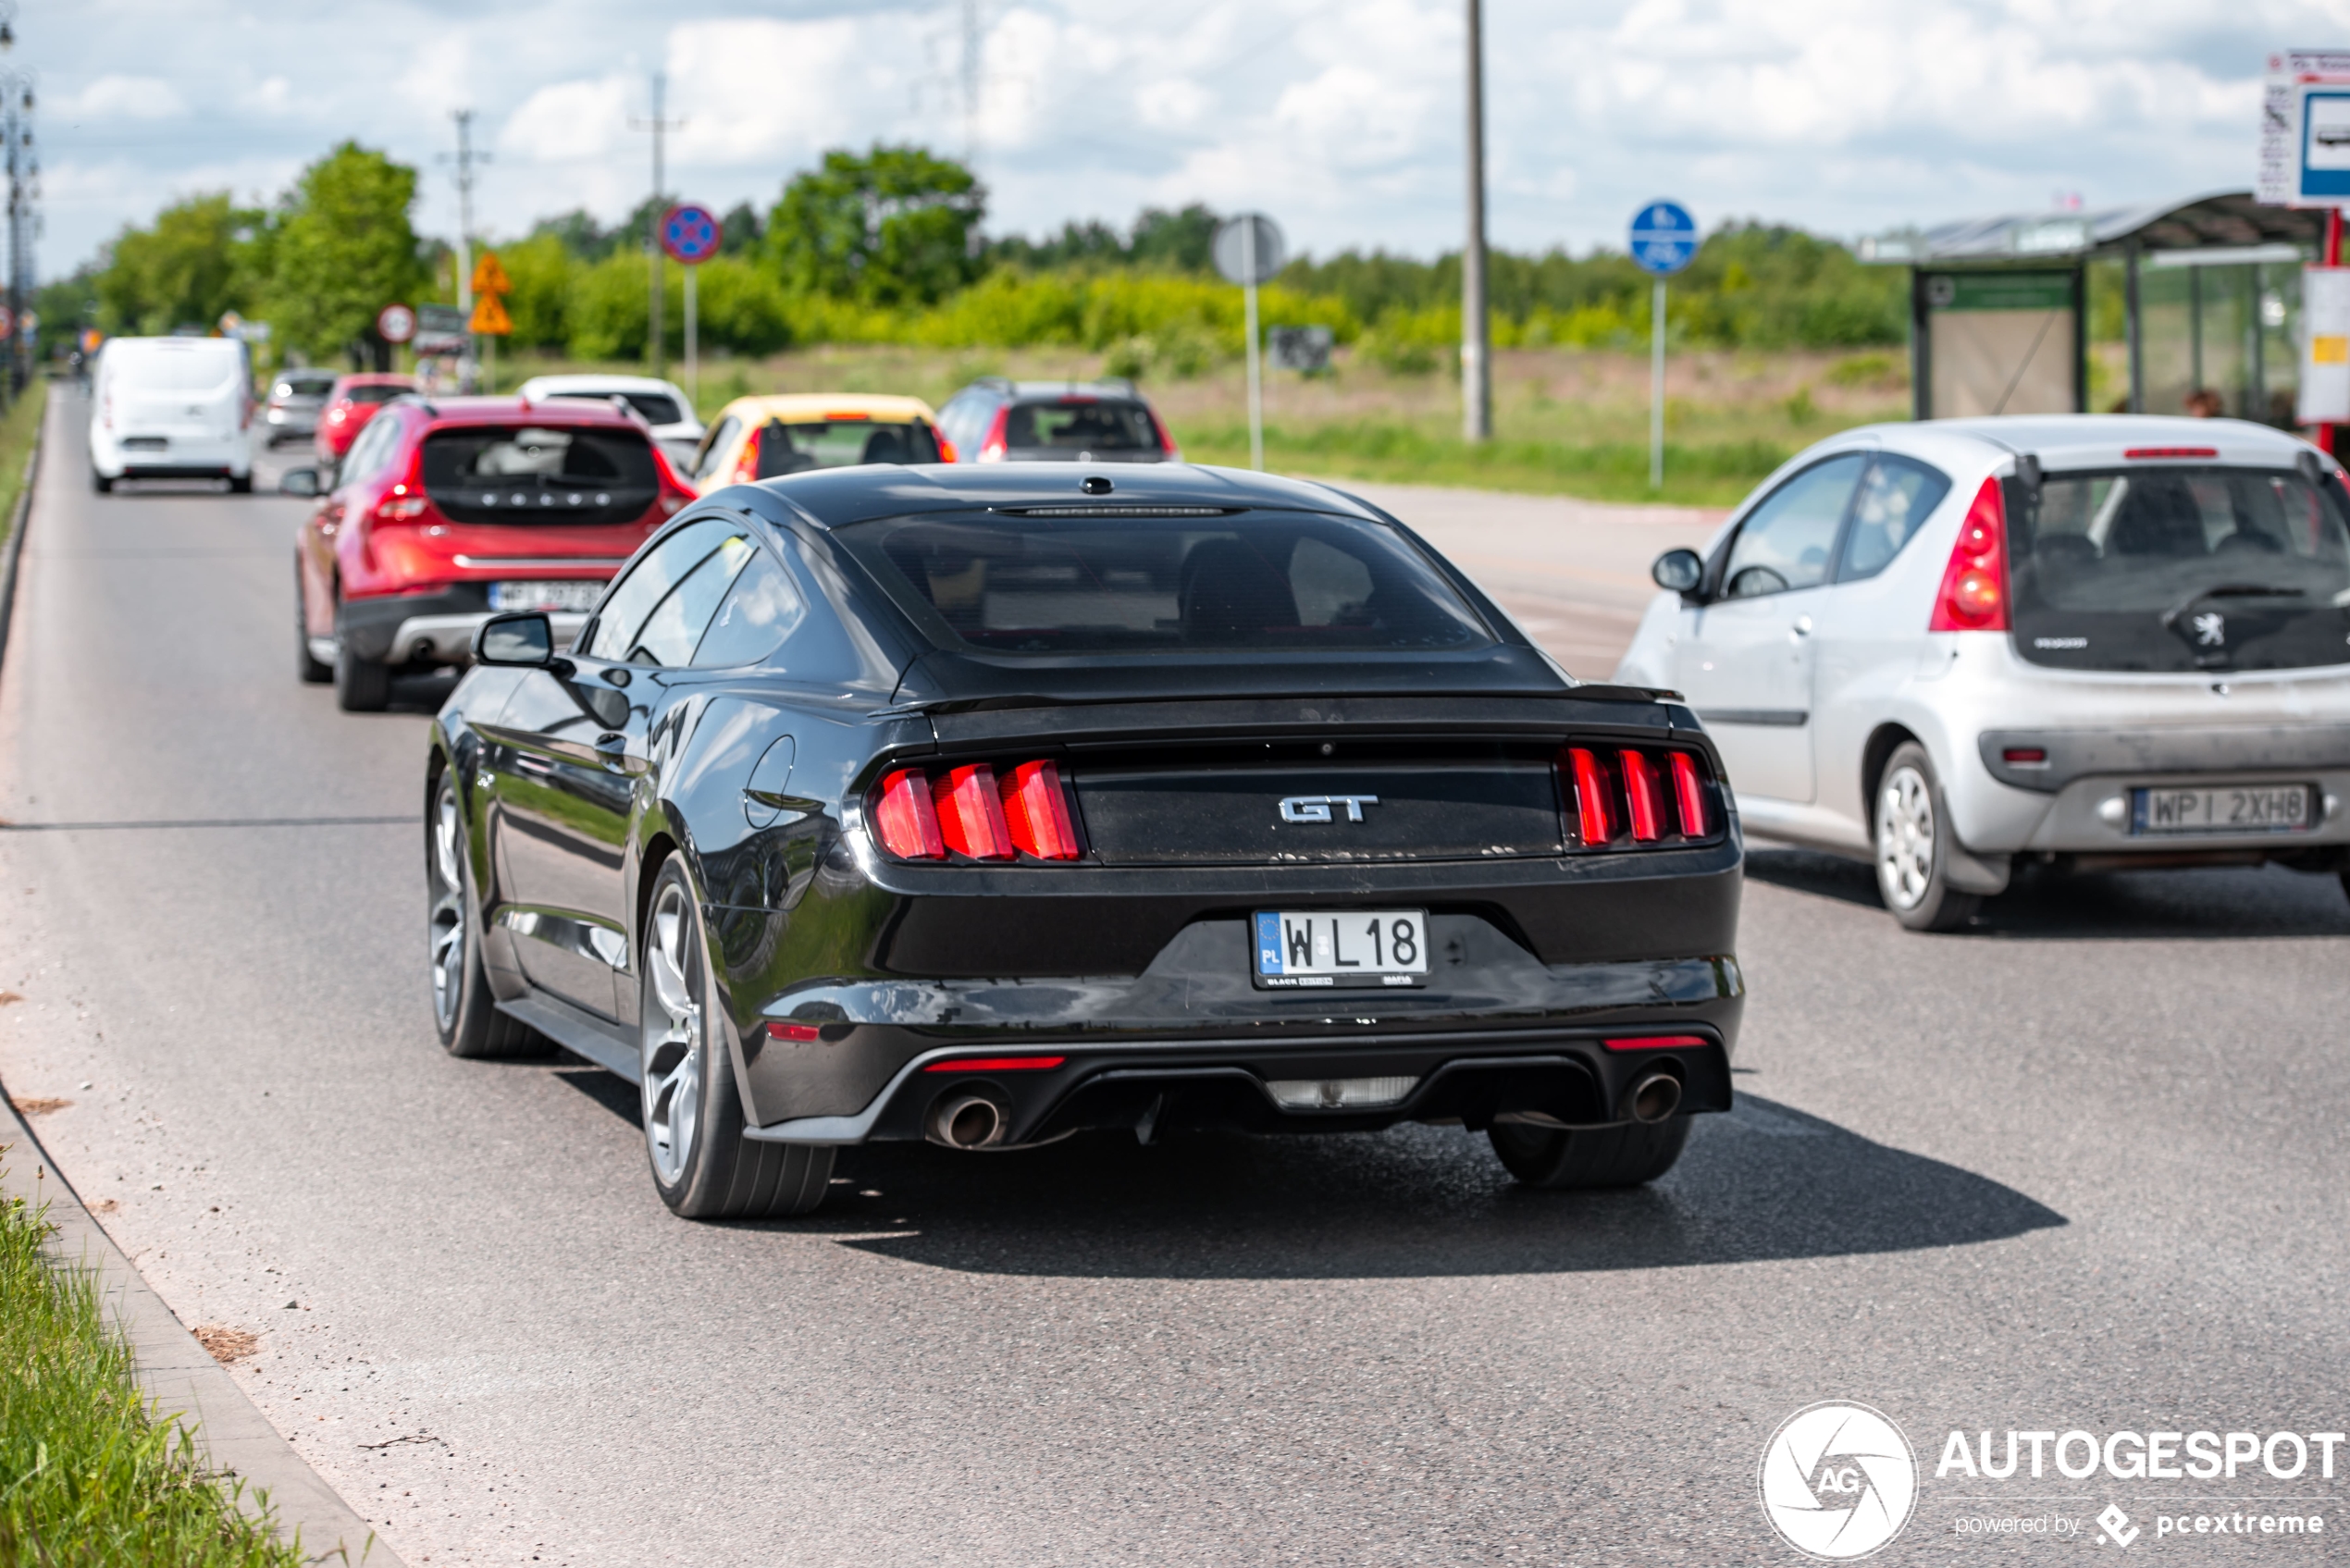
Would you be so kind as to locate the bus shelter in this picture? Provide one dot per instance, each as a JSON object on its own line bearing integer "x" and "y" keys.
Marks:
{"x": 1999, "y": 309}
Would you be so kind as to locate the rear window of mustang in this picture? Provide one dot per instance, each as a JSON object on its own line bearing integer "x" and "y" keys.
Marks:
{"x": 1060, "y": 580}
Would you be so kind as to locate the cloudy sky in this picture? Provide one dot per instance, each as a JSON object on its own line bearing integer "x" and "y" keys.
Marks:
{"x": 1342, "y": 117}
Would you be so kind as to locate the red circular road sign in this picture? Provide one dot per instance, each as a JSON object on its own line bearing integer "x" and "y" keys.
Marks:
{"x": 689, "y": 233}
{"x": 396, "y": 324}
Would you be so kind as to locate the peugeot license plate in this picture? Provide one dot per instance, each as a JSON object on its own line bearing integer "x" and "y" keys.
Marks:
{"x": 2227, "y": 809}
{"x": 573, "y": 594}
{"x": 1296, "y": 949}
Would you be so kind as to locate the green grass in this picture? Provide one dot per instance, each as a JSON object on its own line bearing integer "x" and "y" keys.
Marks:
{"x": 18, "y": 428}
{"x": 87, "y": 1474}
{"x": 1705, "y": 474}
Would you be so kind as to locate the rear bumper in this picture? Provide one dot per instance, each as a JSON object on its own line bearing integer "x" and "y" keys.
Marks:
{"x": 2077, "y": 798}
{"x": 427, "y": 628}
{"x": 1567, "y": 1077}
{"x": 173, "y": 458}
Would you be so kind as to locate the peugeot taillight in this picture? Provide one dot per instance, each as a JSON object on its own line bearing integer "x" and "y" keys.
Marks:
{"x": 970, "y": 816}
{"x": 1974, "y": 585}
{"x": 1037, "y": 813}
{"x": 906, "y": 817}
{"x": 992, "y": 448}
{"x": 1592, "y": 794}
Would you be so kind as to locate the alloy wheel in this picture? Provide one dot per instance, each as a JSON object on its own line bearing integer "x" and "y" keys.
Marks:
{"x": 448, "y": 909}
{"x": 672, "y": 1035}
{"x": 1905, "y": 837}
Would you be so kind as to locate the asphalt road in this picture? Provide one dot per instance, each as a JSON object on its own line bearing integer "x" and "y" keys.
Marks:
{"x": 2083, "y": 1166}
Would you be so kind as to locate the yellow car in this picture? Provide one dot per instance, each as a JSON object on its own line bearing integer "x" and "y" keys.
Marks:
{"x": 791, "y": 432}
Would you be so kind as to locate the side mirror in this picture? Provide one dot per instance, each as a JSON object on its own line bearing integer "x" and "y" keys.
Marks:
{"x": 299, "y": 481}
{"x": 1678, "y": 570}
{"x": 524, "y": 638}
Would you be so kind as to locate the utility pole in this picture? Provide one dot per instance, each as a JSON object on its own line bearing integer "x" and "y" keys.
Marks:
{"x": 24, "y": 186}
{"x": 971, "y": 84}
{"x": 1477, "y": 382}
{"x": 661, "y": 129}
{"x": 464, "y": 160}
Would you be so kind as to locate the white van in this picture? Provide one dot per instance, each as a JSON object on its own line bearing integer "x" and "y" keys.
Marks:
{"x": 171, "y": 408}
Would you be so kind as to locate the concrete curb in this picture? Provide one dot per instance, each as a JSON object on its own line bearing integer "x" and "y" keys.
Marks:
{"x": 180, "y": 1375}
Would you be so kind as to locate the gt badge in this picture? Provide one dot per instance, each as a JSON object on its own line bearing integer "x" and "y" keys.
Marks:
{"x": 1316, "y": 807}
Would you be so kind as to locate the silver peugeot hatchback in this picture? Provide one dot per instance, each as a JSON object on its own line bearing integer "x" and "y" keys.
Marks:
{"x": 2102, "y": 641}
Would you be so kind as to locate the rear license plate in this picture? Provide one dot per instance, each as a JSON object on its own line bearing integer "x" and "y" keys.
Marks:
{"x": 1312, "y": 948}
{"x": 573, "y": 595}
{"x": 2229, "y": 808}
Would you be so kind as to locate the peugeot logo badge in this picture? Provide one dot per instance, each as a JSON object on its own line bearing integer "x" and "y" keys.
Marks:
{"x": 1316, "y": 807}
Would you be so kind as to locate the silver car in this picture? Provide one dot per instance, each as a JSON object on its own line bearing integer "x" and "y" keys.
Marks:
{"x": 663, "y": 406}
{"x": 296, "y": 399}
{"x": 2097, "y": 642}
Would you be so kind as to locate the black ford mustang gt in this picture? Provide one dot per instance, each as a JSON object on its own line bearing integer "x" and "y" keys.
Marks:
{"x": 987, "y": 805}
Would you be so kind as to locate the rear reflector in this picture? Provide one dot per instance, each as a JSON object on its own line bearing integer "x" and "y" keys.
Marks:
{"x": 1591, "y": 797}
{"x": 2139, "y": 454}
{"x": 1645, "y": 796}
{"x": 1689, "y": 794}
{"x": 997, "y": 1064}
{"x": 908, "y": 821}
{"x": 970, "y": 818}
{"x": 1037, "y": 813}
{"x": 797, "y": 1033}
{"x": 2025, "y": 756}
{"x": 1658, "y": 1042}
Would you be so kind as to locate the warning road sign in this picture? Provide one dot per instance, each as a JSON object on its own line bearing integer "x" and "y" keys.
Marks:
{"x": 491, "y": 318}
{"x": 489, "y": 277}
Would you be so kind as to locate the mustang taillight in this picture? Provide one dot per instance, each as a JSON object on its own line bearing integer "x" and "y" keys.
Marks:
{"x": 970, "y": 813}
{"x": 908, "y": 822}
{"x": 1037, "y": 813}
{"x": 973, "y": 813}
{"x": 1621, "y": 797}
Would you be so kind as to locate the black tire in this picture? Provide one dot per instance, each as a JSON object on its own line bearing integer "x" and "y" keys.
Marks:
{"x": 240, "y": 484}
{"x": 1558, "y": 1159}
{"x": 1910, "y": 827}
{"x": 361, "y": 685}
{"x": 463, "y": 1009}
{"x": 702, "y": 1166}
{"x": 311, "y": 671}
{"x": 100, "y": 483}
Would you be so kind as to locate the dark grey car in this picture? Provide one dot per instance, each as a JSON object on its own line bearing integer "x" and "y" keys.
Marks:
{"x": 996, "y": 420}
{"x": 296, "y": 399}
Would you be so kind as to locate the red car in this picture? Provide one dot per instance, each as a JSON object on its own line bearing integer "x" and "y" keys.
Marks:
{"x": 350, "y": 403}
{"x": 446, "y": 512}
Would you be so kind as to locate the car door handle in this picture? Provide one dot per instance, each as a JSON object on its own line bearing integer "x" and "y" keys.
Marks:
{"x": 1802, "y": 628}
{"x": 612, "y": 748}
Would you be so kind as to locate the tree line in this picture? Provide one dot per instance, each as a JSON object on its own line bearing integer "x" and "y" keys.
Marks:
{"x": 888, "y": 246}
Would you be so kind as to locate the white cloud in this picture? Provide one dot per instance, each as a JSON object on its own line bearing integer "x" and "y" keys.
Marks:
{"x": 125, "y": 97}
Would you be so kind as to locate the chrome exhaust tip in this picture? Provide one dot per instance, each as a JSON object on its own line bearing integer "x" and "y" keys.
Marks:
{"x": 1656, "y": 1098}
{"x": 967, "y": 1120}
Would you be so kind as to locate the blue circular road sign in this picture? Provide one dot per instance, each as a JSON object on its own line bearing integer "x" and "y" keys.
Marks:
{"x": 1664, "y": 238}
{"x": 690, "y": 234}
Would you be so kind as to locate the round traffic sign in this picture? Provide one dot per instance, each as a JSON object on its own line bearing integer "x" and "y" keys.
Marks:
{"x": 1664, "y": 238}
{"x": 395, "y": 324}
{"x": 690, "y": 234}
{"x": 1249, "y": 238}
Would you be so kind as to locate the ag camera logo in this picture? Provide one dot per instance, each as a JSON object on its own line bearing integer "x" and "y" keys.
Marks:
{"x": 1838, "y": 1480}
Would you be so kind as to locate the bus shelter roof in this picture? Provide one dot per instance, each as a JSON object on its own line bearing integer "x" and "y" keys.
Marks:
{"x": 2223, "y": 221}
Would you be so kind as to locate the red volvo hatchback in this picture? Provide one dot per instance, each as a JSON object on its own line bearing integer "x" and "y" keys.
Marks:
{"x": 447, "y": 513}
